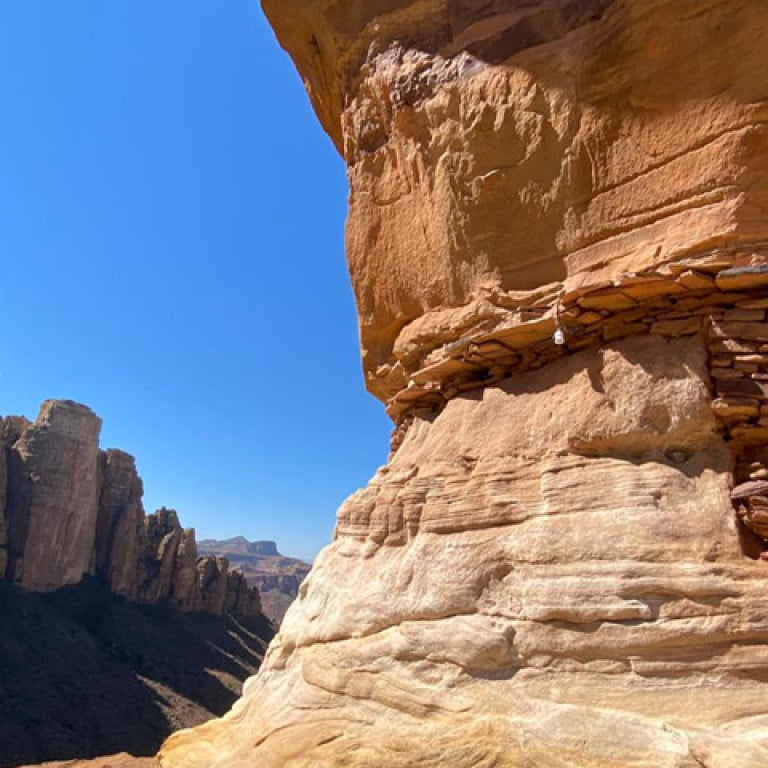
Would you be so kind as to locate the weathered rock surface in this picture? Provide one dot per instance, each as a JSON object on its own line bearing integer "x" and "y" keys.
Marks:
{"x": 276, "y": 576}
{"x": 68, "y": 509}
{"x": 547, "y": 573}
{"x": 52, "y": 497}
{"x": 121, "y": 518}
{"x": 550, "y": 570}
{"x": 501, "y": 150}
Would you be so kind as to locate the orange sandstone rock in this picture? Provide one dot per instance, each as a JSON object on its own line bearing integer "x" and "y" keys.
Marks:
{"x": 550, "y": 570}
{"x": 498, "y": 152}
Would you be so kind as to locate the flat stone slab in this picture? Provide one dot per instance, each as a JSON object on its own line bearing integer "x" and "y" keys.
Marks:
{"x": 752, "y": 488}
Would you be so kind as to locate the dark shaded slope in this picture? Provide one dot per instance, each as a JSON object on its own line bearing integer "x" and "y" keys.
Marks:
{"x": 85, "y": 673}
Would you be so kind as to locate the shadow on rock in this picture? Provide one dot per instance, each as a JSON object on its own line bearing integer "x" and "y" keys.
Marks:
{"x": 85, "y": 673}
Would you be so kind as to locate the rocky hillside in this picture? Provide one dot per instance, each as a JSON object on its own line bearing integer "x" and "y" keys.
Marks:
{"x": 116, "y": 631}
{"x": 558, "y": 243}
{"x": 276, "y": 576}
{"x": 69, "y": 509}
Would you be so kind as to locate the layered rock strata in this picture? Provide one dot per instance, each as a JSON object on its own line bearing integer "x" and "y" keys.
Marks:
{"x": 558, "y": 242}
{"x": 68, "y": 509}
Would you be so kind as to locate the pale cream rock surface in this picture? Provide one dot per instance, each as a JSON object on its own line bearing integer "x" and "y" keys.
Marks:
{"x": 546, "y": 574}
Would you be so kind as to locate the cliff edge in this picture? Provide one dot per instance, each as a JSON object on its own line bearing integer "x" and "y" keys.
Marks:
{"x": 69, "y": 510}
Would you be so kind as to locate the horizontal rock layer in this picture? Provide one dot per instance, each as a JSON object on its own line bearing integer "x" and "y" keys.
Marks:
{"x": 548, "y": 572}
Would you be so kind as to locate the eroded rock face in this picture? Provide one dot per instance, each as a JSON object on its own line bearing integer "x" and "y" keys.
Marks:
{"x": 499, "y": 151}
{"x": 551, "y": 570}
{"x": 120, "y": 522}
{"x": 547, "y": 573}
{"x": 53, "y": 492}
{"x": 68, "y": 509}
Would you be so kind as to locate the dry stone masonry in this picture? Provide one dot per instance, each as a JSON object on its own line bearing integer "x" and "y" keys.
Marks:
{"x": 68, "y": 509}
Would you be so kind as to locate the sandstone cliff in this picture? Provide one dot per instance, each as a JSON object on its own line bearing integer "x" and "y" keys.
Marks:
{"x": 558, "y": 242}
{"x": 115, "y": 631}
{"x": 68, "y": 509}
{"x": 276, "y": 576}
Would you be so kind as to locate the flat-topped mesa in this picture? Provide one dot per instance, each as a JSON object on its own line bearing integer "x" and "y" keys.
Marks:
{"x": 503, "y": 153}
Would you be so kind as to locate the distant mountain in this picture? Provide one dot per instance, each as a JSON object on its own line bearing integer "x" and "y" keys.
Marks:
{"x": 241, "y": 546}
{"x": 277, "y": 577}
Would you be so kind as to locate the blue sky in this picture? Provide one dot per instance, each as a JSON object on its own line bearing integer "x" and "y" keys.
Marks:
{"x": 171, "y": 238}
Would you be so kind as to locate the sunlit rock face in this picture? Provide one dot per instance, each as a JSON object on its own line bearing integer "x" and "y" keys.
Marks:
{"x": 69, "y": 510}
{"x": 551, "y": 570}
{"x": 52, "y": 497}
{"x": 499, "y": 149}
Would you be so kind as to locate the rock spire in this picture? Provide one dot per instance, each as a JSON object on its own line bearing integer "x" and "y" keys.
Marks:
{"x": 69, "y": 509}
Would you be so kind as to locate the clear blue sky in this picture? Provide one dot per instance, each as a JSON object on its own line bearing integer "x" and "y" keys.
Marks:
{"x": 171, "y": 237}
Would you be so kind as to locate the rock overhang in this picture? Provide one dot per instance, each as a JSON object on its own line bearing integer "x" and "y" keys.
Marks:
{"x": 506, "y": 155}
